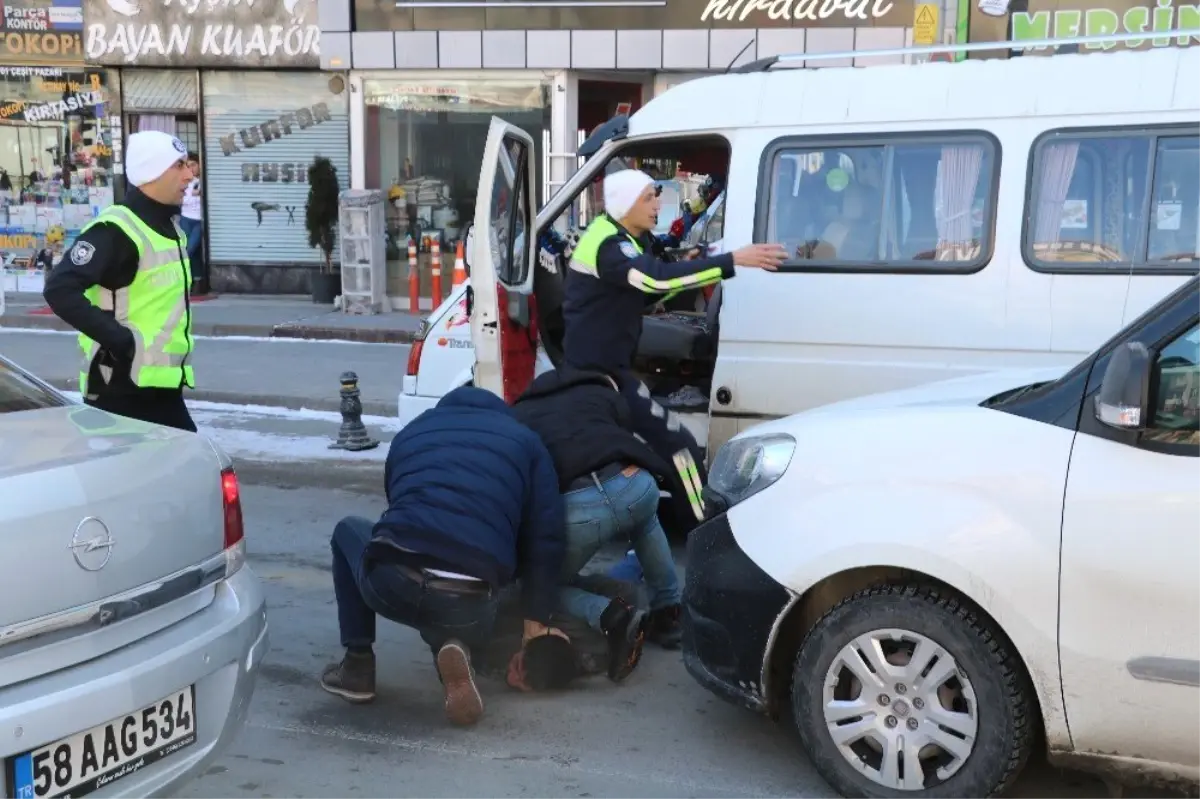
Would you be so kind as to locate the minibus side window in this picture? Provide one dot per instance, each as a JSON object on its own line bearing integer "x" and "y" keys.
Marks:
{"x": 900, "y": 203}
{"x": 1117, "y": 199}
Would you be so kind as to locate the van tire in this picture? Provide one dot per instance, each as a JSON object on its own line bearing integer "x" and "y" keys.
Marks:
{"x": 1005, "y": 713}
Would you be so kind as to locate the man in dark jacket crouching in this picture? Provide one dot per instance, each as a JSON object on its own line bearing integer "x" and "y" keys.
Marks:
{"x": 473, "y": 504}
{"x": 607, "y": 476}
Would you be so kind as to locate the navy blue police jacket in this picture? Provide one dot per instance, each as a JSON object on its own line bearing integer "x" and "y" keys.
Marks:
{"x": 472, "y": 490}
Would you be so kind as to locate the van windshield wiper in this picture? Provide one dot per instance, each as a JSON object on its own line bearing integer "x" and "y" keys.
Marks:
{"x": 1013, "y": 394}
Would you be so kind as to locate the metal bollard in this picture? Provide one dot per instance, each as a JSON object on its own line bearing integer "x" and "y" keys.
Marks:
{"x": 353, "y": 433}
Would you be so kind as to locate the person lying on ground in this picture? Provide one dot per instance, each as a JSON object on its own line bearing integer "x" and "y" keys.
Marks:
{"x": 607, "y": 476}
{"x": 473, "y": 505}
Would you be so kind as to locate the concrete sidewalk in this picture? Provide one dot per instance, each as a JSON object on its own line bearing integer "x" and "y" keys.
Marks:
{"x": 259, "y": 316}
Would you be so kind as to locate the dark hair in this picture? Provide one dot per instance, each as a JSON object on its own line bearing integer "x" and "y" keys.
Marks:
{"x": 193, "y": 156}
{"x": 550, "y": 663}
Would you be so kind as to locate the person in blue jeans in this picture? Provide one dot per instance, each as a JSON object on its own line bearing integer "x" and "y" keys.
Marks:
{"x": 473, "y": 505}
{"x": 608, "y": 479}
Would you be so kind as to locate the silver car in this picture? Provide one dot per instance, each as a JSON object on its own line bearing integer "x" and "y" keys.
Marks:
{"x": 131, "y": 628}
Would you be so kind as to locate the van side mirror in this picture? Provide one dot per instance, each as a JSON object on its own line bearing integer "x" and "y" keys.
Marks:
{"x": 1124, "y": 397}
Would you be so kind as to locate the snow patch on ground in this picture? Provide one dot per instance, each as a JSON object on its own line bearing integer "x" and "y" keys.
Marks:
{"x": 254, "y": 446}
{"x": 224, "y": 410}
{"x": 226, "y": 424}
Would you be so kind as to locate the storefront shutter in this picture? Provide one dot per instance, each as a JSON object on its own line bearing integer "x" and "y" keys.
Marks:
{"x": 160, "y": 90}
{"x": 261, "y": 133}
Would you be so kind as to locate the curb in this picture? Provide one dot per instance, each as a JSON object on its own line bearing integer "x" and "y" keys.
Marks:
{"x": 220, "y": 330}
{"x": 349, "y": 476}
{"x": 370, "y": 407}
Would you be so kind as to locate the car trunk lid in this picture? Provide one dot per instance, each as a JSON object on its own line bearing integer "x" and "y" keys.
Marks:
{"x": 106, "y": 522}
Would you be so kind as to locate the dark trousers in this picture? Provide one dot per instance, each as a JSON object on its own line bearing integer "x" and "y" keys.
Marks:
{"x": 154, "y": 405}
{"x": 666, "y": 435}
{"x": 194, "y": 229}
{"x": 437, "y": 608}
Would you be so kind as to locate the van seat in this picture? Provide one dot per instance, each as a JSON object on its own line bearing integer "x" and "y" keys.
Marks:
{"x": 678, "y": 336}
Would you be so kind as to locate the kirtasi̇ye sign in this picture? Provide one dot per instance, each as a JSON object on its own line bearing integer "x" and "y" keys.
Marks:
{"x": 214, "y": 33}
{"x": 1018, "y": 20}
{"x": 58, "y": 170}
{"x": 41, "y": 32}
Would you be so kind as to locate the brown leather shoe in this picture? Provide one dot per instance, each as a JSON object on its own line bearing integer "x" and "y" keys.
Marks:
{"x": 464, "y": 705}
{"x": 353, "y": 679}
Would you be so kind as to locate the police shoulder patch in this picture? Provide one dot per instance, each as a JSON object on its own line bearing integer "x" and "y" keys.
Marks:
{"x": 82, "y": 252}
{"x": 629, "y": 250}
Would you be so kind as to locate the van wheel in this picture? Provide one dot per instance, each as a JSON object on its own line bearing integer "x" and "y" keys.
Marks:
{"x": 901, "y": 690}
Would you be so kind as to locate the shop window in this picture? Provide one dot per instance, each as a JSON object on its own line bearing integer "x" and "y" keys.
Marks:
{"x": 424, "y": 145}
{"x": 916, "y": 204}
{"x": 262, "y": 131}
{"x": 57, "y": 153}
{"x": 1122, "y": 199}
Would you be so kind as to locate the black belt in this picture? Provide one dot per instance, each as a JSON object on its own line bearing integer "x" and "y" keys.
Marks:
{"x": 599, "y": 476}
{"x": 449, "y": 584}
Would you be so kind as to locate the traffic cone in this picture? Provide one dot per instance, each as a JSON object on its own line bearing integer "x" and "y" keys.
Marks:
{"x": 460, "y": 266}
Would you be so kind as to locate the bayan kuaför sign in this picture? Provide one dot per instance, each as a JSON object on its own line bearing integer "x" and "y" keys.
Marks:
{"x": 198, "y": 33}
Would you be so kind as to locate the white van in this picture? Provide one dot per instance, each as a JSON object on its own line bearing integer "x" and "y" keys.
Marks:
{"x": 943, "y": 220}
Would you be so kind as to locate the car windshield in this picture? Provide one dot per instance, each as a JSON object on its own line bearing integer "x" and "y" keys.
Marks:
{"x": 20, "y": 392}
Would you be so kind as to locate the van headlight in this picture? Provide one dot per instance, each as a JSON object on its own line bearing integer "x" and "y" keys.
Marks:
{"x": 745, "y": 466}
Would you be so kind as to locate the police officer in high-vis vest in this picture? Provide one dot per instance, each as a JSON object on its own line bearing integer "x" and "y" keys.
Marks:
{"x": 614, "y": 275}
{"x": 124, "y": 286}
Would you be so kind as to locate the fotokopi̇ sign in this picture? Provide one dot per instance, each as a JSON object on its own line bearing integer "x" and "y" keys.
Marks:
{"x": 202, "y": 33}
{"x": 34, "y": 32}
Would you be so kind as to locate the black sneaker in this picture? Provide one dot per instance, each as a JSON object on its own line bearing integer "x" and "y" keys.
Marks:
{"x": 464, "y": 705}
{"x": 625, "y": 629}
{"x": 665, "y": 626}
{"x": 353, "y": 679}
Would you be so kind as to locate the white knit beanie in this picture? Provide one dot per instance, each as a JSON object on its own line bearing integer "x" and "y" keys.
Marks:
{"x": 150, "y": 154}
{"x": 622, "y": 189}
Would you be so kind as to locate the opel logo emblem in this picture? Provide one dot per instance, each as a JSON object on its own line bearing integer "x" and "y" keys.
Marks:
{"x": 92, "y": 544}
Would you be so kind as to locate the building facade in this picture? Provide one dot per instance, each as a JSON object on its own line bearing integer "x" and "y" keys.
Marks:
{"x": 241, "y": 84}
{"x": 59, "y": 136}
{"x": 427, "y": 75}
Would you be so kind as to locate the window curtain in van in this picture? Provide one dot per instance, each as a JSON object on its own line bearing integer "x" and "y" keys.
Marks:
{"x": 958, "y": 179}
{"x": 1054, "y": 180}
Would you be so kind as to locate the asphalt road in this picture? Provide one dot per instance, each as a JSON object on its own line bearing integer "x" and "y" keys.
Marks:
{"x": 658, "y": 734}
{"x": 293, "y": 373}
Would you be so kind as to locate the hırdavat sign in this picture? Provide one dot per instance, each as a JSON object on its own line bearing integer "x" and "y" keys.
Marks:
{"x": 202, "y": 33}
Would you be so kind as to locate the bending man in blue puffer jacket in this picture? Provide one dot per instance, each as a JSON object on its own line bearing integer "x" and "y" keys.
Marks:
{"x": 473, "y": 504}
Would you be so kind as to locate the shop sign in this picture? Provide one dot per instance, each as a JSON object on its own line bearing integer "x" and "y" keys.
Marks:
{"x": 37, "y": 32}
{"x": 994, "y": 20}
{"x": 848, "y": 12}
{"x": 286, "y": 124}
{"x": 60, "y": 93}
{"x": 186, "y": 33}
{"x": 628, "y": 14}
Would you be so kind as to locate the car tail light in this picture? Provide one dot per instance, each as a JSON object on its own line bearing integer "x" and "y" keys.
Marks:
{"x": 414, "y": 357}
{"x": 235, "y": 532}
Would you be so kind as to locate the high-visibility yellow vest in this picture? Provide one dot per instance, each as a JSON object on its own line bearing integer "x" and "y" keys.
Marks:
{"x": 583, "y": 258}
{"x": 154, "y": 307}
